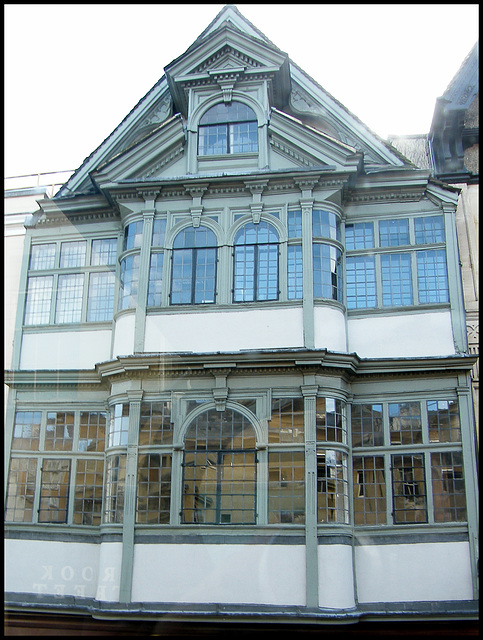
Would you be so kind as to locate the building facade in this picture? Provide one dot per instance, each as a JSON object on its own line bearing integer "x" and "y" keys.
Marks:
{"x": 240, "y": 381}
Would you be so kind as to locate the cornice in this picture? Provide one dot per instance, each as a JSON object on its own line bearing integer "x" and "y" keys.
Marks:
{"x": 247, "y": 363}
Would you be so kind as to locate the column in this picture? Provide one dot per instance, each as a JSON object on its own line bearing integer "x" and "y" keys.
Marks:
{"x": 311, "y": 551}
{"x": 129, "y": 516}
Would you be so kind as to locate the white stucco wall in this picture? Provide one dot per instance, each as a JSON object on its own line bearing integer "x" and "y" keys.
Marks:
{"x": 330, "y": 329}
{"x": 336, "y": 577}
{"x": 224, "y": 330}
{"x": 124, "y": 335}
{"x": 204, "y": 573}
{"x": 405, "y": 336}
{"x": 53, "y": 568}
{"x": 413, "y": 572}
{"x": 65, "y": 349}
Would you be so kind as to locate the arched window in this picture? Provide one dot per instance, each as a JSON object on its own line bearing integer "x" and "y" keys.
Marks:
{"x": 228, "y": 128}
{"x": 256, "y": 263}
{"x": 193, "y": 277}
{"x": 219, "y": 470}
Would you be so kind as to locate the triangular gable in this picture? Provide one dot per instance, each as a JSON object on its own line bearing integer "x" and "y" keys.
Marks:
{"x": 146, "y": 159}
{"x": 229, "y": 39}
{"x": 307, "y": 146}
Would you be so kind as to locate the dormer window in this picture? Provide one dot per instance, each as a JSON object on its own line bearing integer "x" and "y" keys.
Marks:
{"x": 228, "y": 128}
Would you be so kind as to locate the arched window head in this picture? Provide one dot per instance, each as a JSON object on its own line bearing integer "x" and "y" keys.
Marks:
{"x": 228, "y": 128}
{"x": 256, "y": 263}
{"x": 219, "y": 470}
{"x": 193, "y": 279}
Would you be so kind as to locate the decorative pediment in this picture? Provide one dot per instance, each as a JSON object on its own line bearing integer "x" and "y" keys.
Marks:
{"x": 147, "y": 159}
{"x": 227, "y": 51}
{"x": 306, "y": 147}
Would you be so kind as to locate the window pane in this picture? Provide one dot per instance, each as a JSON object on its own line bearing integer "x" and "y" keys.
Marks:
{"x": 69, "y": 298}
{"x": 448, "y": 487}
{"x": 153, "y": 489}
{"x": 432, "y": 276}
{"x": 325, "y": 224}
{"x": 42, "y": 256}
{"x": 73, "y": 254}
{"x": 228, "y": 112}
{"x": 88, "y": 492}
{"x": 369, "y": 490}
{"x": 444, "y": 421}
{"x": 294, "y": 224}
{"x": 155, "y": 285}
{"x": 429, "y": 229}
{"x": 361, "y": 282}
{"x": 219, "y": 478}
{"x": 114, "y": 488}
{"x": 267, "y": 271}
{"x": 287, "y": 420}
{"x": 327, "y": 267}
{"x": 129, "y": 279}
{"x": 54, "y": 491}
{"x": 39, "y": 295}
{"x": 205, "y": 276}
{"x": 243, "y": 137}
{"x": 244, "y": 274}
{"x": 397, "y": 288}
{"x": 182, "y": 276}
{"x": 21, "y": 490}
{"x": 159, "y": 232}
{"x": 155, "y": 424}
{"x": 100, "y": 301}
{"x": 118, "y": 425}
{"x": 220, "y": 430}
{"x": 393, "y": 233}
{"x": 26, "y": 430}
{"x": 295, "y": 272}
{"x": 286, "y": 488}
{"x": 330, "y": 420}
{"x": 409, "y": 489}
{"x": 332, "y": 487}
{"x": 359, "y": 235}
{"x": 59, "y": 431}
{"x": 213, "y": 139}
{"x": 133, "y": 235}
{"x": 92, "y": 431}
{"x": 405, "y": 423}
{"x": 366, "y": 423}
{"x": 104, "y": 251}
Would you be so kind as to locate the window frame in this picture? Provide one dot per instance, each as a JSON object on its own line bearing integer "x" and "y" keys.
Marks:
{"x": 75, "y": 269}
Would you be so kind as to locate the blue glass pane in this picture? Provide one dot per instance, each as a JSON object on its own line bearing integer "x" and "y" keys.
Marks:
{"x": 361, "y": 282}
{"x": 327, "y": 272}
{"x": 325, "y": 225}
{"x": 192, "y": 237}
{"x": 294, "y": 272}
{"x": 294, "y": 224}
{"x": 393, "y": 233}
{"x": 224, "y": 113}
{"x": 359, "y": 235}
{"x": 243, "y": 137}
{"x": 396, "y": 279}
{"x": 205, "y": 276}
{"x": 429, "y": 229}
{"x": 432, "y": 276}
{"x": 213, "y": 140}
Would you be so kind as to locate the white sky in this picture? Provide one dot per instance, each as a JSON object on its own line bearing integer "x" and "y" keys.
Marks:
{"x": 74, "y": 71}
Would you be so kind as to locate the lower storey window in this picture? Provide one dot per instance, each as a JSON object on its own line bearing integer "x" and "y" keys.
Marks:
{"x": 286, "y": 488}
{"x": 219, "y": 487}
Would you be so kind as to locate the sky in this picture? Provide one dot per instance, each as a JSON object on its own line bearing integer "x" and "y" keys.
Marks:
{"x": 74, "y": 71}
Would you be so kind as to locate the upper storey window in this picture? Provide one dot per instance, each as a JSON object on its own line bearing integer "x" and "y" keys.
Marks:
{"x": 194, "y": 267}
{"x": 228, "y": 128}
{"x": 256, "y": 263}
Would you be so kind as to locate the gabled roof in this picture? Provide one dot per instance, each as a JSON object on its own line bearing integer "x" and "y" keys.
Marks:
{"x": 305, "y": 99}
